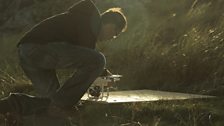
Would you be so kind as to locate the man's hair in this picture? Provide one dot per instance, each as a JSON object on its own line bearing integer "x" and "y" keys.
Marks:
{"x": 115, "y": 16}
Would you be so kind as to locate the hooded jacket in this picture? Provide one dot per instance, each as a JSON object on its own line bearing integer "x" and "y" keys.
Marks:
{"x": 79, "y": 25}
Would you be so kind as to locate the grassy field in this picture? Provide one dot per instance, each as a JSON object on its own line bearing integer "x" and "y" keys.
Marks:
{"x": 162, "y": 113}
{"x": 169, "y": 45}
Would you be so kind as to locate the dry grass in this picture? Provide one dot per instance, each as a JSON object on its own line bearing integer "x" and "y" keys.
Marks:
{"x": 175, "y": 46}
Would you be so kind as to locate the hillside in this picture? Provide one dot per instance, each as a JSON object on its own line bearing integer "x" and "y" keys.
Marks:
{"x": 175, "y": 45}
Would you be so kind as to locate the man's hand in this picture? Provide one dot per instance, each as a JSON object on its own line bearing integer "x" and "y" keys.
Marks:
{"x": 105, "y": 73}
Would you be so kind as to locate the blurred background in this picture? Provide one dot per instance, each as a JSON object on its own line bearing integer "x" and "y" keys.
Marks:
{"x": 169, "y": 45}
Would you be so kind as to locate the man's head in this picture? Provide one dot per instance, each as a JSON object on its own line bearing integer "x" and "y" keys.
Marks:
{"x": 113, "y": 23}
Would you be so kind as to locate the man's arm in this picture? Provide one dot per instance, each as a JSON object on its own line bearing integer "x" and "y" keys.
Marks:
{"x": 106, "y": 72}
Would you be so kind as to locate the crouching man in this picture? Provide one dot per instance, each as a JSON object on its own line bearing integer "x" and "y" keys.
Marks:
{"x": 63, "y": 41}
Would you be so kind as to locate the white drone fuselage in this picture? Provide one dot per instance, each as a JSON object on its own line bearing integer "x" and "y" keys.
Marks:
{"x": 105, "y": 84}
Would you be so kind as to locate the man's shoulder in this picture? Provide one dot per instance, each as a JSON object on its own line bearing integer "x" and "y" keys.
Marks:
{"x": 83, "y": 7}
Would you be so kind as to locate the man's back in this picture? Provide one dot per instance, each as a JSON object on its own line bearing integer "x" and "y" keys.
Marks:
{"x": 80, "y": 26}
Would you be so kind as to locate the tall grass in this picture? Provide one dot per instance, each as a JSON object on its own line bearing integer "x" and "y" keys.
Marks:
{"x": 169, "y": 45}
{"x": 175, "y": 45}
{"x": 179, "y": 47}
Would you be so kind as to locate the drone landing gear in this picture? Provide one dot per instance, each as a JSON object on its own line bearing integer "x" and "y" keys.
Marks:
{"x": 101, "y": 87}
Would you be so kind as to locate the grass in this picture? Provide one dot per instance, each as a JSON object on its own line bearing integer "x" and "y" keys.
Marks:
{"x": 161, "y": 113}
{"x": 173, "y": 46}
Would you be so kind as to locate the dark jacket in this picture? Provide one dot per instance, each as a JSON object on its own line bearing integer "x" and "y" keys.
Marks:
{"x": 80, "y": 25}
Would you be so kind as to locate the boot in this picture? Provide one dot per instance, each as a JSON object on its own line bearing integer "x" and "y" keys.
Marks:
{"x": 23, "y": 104}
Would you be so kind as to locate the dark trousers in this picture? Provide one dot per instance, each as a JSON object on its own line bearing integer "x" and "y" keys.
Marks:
{"x": 40, "y": 62}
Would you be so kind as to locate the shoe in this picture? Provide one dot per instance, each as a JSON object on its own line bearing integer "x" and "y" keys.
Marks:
{"x": 23, "y": 104}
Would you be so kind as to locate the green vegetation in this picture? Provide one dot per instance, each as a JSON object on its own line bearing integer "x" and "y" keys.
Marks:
{"x": 162, "y": 113}
{"x": 169, "y": 45}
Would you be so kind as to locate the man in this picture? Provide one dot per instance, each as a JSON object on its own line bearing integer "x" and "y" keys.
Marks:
{"x": 66, "y": 40}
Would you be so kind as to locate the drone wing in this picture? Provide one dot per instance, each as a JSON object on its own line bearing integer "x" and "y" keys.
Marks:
{"x": 143, "y": 96}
